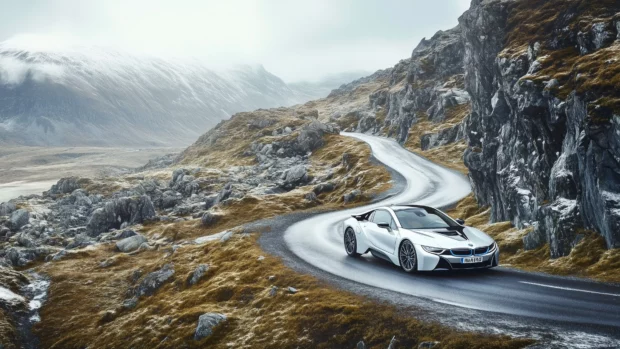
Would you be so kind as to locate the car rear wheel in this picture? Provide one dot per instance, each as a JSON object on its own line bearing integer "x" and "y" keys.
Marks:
{"x": 350, "y": 242}
{"x": 407, "y": 256}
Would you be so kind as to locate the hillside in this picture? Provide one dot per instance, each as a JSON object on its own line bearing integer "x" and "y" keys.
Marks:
{"x": 523, "y": 99}
{"x": 93, "y": 96}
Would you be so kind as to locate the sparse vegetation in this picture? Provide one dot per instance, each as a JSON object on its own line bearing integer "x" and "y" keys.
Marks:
{"x": 449, "y": 155}
{"x": 84, "y": 307}
{"x": 589, "y": 258}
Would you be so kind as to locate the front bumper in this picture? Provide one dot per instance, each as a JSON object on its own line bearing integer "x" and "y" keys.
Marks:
{"x": 429, "y": 261}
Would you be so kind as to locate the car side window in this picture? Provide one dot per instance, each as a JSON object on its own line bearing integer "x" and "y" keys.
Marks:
{"x": 382, "y": 216}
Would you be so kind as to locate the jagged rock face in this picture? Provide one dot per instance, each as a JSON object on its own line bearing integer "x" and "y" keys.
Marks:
{"x": 115, "y": 212}
{"x": 425, "y": 85}
{"x": 443, "y": 137}
{"x": 535, "y": 156}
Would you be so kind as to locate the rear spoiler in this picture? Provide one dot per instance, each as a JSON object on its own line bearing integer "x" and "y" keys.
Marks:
{"x": 363, "y": 216}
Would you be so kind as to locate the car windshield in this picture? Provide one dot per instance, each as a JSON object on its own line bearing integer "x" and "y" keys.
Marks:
{"x": 420, "y": 218}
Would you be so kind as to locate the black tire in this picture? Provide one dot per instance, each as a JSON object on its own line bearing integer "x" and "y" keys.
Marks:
{"x": 407, "y": 256}
{"x": 350, "y": 242}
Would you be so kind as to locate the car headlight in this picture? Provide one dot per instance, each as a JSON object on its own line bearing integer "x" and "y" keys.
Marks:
{"x": 434, "y": 250}
{"x": 493, "y": 246}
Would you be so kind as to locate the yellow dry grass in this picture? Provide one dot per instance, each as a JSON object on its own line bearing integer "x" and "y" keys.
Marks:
{"x": 589, "y": 258}
{"x": 449, "y": 155}
{"x": 234, "y": 137}
{"x": 13, "y": 281}
{"x": 83, "y": 309}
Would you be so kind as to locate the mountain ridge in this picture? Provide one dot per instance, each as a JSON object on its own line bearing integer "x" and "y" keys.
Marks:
{"x": 83, "y": 96}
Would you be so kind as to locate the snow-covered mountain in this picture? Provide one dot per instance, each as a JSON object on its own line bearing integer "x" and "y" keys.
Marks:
{"x": 97, "y": 96}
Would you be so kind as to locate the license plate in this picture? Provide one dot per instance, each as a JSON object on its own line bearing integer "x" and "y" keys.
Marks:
{"x": 471, "y": 260}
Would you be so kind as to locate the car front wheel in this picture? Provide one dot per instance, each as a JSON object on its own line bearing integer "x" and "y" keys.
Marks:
{"x": 407, "y": 256}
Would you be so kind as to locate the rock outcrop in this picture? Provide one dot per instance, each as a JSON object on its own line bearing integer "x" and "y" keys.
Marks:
{"x": 547, "y": 149}
{"x": 206, "y": 323}
{"x": 118, "y": 211}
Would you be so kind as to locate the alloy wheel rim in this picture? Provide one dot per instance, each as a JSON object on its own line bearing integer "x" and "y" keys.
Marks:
{"x": 407, "y": 256}
{"x": 349, "y": 241}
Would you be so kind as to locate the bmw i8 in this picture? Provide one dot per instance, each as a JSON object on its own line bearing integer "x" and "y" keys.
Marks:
{"x": 419, "y": 238}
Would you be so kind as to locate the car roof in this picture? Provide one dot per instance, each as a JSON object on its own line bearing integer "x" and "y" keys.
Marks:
{"x": 403, "y": 207}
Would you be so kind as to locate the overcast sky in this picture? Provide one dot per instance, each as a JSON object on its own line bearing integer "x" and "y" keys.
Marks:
{"x": 296, "y": 40}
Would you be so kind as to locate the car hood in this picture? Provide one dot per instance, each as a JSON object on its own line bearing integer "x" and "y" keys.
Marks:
{"x": 462, "y": 237}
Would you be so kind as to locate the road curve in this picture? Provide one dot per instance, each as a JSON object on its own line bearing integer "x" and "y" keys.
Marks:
{"x": 317, "y": 240}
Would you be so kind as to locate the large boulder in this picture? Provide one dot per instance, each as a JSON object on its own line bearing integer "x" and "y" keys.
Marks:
{"x": 6, "y": 208}
{"x": 210, "y": 218}
{"x": 65, "y": 186}
{"x": 206, "y": 323}
{"x": 153, "y": 281}
{"x": 295, "y": 177}
{"x": 117, "y": 211}
{"x": 18, "y": 219}
{"x": 131, "y": 243}
{"x": 351, "y": 196}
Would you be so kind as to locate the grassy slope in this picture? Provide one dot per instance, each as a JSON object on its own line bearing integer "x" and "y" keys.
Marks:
{"x": 84, "y": 309}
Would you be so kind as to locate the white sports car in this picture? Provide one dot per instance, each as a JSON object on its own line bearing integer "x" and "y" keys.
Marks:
{"x": 417, "y": 237}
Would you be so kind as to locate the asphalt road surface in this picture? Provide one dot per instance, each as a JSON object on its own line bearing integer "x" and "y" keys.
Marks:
{"x": 561, "y": 312}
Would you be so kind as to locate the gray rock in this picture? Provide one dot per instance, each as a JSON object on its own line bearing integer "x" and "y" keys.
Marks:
{"x": 209, "y": 219}
{"x": 324, "y": 188}
{"x": 198, "y": 274}
{"x": 427, "y": 345}
{"x": 58, "y": 256}
{"x": 116, "y": 211}
{"x": 125, "y": 234}
{"x": 6, "y": 208}
{"x": 19, "y": 219}
{"x": 206, "y": 323}
{"x": 65, "y": 186}
{"x": 24, "y": 240}
{"x": 443, "y": 137}
{"x": 131, "y": 243}
{"x": 347, "y": 161}
{"x": 153, "y": 281}
{"x": 360, "y": 345}
{"x": 351, "y": 196}
{"x": 292, "y": 290}
{"x": 311, "y": 197}
{"x": 295, "y": 177}
{"x": 273, "y": 291}
{"x": 130, "y": 303}
{"x": 227, "y": 235}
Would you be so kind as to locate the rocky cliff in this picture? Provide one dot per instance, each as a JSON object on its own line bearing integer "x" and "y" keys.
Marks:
{"x": 543, "y": 77}
{"x": 533, "y": 88}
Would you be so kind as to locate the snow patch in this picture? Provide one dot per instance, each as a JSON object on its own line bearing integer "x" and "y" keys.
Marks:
{"x": 10, "y": 296}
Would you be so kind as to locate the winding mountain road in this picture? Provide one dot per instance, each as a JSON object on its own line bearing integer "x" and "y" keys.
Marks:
{"x": 584, "y": 310}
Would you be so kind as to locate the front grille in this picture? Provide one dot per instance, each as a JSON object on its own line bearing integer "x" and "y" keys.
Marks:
{"x": 460, "y": 252}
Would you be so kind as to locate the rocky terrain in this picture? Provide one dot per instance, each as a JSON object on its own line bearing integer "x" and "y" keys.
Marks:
{"x": 522, "y": 96}
{"x": 167, "y": 256}
{"x": 526, "y": 98}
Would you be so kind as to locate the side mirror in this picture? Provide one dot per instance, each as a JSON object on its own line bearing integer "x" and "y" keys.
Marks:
{"x": 460, "y": 221}
{"x": 384, "y": 225}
